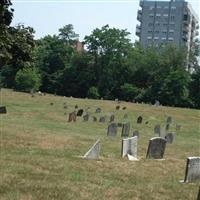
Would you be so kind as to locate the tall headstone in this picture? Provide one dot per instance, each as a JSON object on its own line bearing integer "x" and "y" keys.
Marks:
{"x": 192, "y": 172}
{"x": 169, "y": 137}
{"x": 80, "y": 113}
{"x": 94, "y": 151}
{"x": 102, "y": 119}
{"x": 157, "y": 129}
{"x": 129, "y": 146}
{"x": 125, "y": 129}
{"x": 112, "y": 129}
{"x": 3, "y": 110}
{"x": 98, "y": 110}
{"x": 139, "y": 120}
{"x": 86, "y": 117}
{"x": 72, "y": 117}
{"x": 156, "y": 148}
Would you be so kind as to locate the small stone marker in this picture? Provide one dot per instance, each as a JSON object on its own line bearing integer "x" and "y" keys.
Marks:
{"x": 136, "y": 133}
{"x": 117, "y": 107}
{"x": 129, "y": 147}
{"x": 124, "y": 108}
{"x": 76, "y": 106}
{"x": 98, "y": 110}
{"x": 80, "y": 113}
{"x": 3, "y": 110}
{"x": 157, "y": 129}
{"x": 72, "y": 117}
{"x": 198, "y": 197}
{"x": 102, "y": 119}
{"x": 169, "y": 120}
{"x": 139, "y": 120}
{"x": 125, "y": 129}
{"x": 156, "y": 148}
{"x": 112, "y": 118}
{"x": 86, "y": 117}
{"x": 94, "y": 118}
{"x": 94, "y": 151}
{"x": 178, "y": 127}
{"x": 192, "y": 172}
{"x": 169, "y": 137}
{"x": 112, "y": 129}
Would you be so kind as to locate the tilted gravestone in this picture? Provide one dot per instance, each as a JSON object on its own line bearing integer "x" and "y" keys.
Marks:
{"x": 86, "y": 117}
{"x": 112, "y": 118}
{"x": 136, "y": 133}
{"x": 156, "y": 148}
{"x": 94, "y": 118}
{"x": 94, "y": 151}
{"x": 80, "y": 113}
{"x": 169, "y": 137}
{"x": 157, "y": 103}
{"x": 102, "y": 119}
{"x": 3, "y": 110}
{"x": 169, "y": 120}
{"x": 112, "y": 129}
{"x": 125, "y": 129}
{"x": 72, "y": 117}
{"x": 117, "y": 107}
{"x": 192, "y": 172}
{"x": 98, "y": 110}
{"x": 129, "y": 146}
{"x": 157, "y": 129}
{"x": 139, "y": 120}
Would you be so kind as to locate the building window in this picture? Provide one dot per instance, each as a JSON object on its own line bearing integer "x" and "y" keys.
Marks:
{"x": 165, "y": 24}
{"x": 165, "y": 15}
{"x": 171, "y": 31}
{"x": 149, "y": 31}
{"x": 157, "y": 23}
{"x": 151, "y": 8}
{"x": 166, "y": 7}
{"x": 159, "y": 7}
{"x": 172, "y": 17}
{"x": 151, "y": 15}
{"x": 173, "y": 7}
{"x": 150, "y": 24}
{"x": 149, "y": 37}
{"x": 156, "y": 38}
{"x": 157, "y": 32}
{"x": 164, "y": 38}
{"x": 171, "y": 39}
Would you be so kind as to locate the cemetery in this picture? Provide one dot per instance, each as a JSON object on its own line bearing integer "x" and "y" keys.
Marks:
{"x": 95, "y": 149}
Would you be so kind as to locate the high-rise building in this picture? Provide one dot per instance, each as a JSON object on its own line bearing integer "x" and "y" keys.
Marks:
{"x": 165, "y": 22}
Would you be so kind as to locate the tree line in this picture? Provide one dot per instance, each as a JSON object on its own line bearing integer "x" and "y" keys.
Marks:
{"x": 110, "y": 66}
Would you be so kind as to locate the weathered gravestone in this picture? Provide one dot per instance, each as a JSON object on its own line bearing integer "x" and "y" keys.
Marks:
{"x": 102, "y": 119}
{"x": 124, "y": 108}
{"x": 157, "y": 129}
{"x": 136, "y": 133}
{"x": 72, "y": 117}
{"x": 156, "y": 148}
{"x": 139, "y": 120}
{"x": 112, "y": 118}
{"x": 98, "y": 110}
{"x": 117, "y": 107}
{"x": 94, "y": 118}
{"x": 86, "y": 117}
{"x": 94, "y": 151}
{"x": 125, "y": 129}
{"x": 169, "y": 137}
{"x": 3, "y": 110}
{"x": 80, "y": 113}
{"x": 178, "y": 127}
{"x": 192, "y": 172}
{"x": 157, "y": 103}
{"x": 129, "y": 147}
{"x": 112, "y": 129}
{"x": 198, "y": 197}
{"x": 169, "y": 120}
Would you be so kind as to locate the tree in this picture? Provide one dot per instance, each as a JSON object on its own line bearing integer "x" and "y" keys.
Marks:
{"x": 93, "y": 93}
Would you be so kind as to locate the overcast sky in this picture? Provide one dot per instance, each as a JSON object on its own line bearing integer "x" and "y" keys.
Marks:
{"x": 47, "y": 16}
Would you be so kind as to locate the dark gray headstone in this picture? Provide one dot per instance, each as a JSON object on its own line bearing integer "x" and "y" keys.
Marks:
{"x": 98, "y": 110}
{"x": 156, "y": 148}
{"x": 102, "y": 119}
{"x": 3, "y": 110}
{"x": 169, "y": 120}
{"x": 86, "y": 117}
{"x": 80, "y": 112}
{"x": 157, "y": 129}
{"x": 94, "y": 118}
{"x": 117, "y": 107}
{"x": 94, "y": 151}
{"x": 125, "y": 129}
{"x": 136, "y": 133}
{"x": 169, "y": 137}
{"x": 192, "y": 172}
{"x": 124, "y": 108}
{"x": 72, "y": 117}
{"x": 112, "y": 129}
{"x": 129, "y": 146}
{"x": 139, "y": 120}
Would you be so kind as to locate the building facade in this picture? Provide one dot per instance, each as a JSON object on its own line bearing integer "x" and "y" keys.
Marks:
{"x": 167, "y": 22}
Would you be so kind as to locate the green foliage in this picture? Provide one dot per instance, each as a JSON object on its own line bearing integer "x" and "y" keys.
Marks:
{"x": 93, "y": 93}
{"x": 27, "y": 79}
{"x": 129, "y": 92}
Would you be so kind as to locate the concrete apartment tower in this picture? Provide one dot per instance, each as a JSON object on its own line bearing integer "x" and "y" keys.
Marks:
{"x": 167, "y": 22}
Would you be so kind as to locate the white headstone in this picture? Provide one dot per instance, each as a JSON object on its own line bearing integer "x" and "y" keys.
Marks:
{"x": 94, "y": 151}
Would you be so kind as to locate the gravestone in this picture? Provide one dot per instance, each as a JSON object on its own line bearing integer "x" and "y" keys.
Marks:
{"x": 102, "y": 119}
{"x": 129, "y": 146}
{"x": 86, "y": 117}
{"x": 125, "y": 129}
{"x": 76, "y": 106}
{"x": 112, "y": 118}
{"x": 94, "y": 151}
{"x": 157, "y": 103}
{"x": 157, "y": 129}
{"x": 112, "y": 129}
{"x": 80, "y": 113}
{"x": 167, "y": 127}
{"x": 136, "y": 133}
{"x": 169, "y": 120}
{"x": 72, "y": 117}
{"x": 139, "y": 120}
{"x": 3, "y": 110}
{"x": 119, "y": 124}
{"x": 125, "y": 116}
{"x": 98, "y": 110}
{"x": 94, "y": 118}
{"x": 169, "y": 137}
{"x": 124, "y": 108}
{"x": 117, "y": 107}
{"x": 198, "y": 197}
{"x": 192, "y": 172}
{"x": 178, "y": 127}
{"x": 156, "y": 148}
{"x": 51, "y": 103}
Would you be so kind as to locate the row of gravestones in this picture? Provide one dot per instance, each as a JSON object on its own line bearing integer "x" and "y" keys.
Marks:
{"x": 155, "y": 150}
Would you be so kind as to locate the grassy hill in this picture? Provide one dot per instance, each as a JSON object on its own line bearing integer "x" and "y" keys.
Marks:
{"x": 39, "y": 157}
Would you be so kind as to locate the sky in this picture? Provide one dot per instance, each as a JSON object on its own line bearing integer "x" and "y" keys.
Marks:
{"x": 47, "y": 16}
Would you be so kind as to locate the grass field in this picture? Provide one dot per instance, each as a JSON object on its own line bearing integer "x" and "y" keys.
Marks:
{"x": 39, "y": 157}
